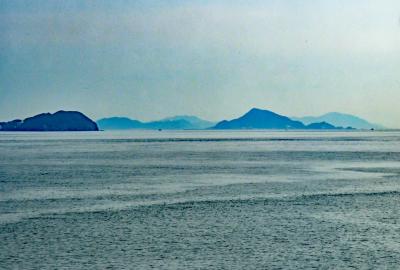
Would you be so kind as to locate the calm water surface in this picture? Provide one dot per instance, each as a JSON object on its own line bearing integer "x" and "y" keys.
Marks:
{"x": 200, "y": 200}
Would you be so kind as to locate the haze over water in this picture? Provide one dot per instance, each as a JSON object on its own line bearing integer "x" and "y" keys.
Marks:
{"x": 199, "y": 199}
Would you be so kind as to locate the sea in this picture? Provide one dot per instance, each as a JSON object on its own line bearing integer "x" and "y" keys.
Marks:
{"x": 200, "y": 200}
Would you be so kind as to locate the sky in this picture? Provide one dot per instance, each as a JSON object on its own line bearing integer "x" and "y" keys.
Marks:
{"x": 214, "y": 59}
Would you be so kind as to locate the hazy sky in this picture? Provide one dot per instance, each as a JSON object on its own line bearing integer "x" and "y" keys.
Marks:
{"x": 214, "y": 59}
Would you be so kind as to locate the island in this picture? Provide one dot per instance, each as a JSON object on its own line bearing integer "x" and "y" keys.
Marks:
{"x": 179, "y": 122}
{"x": 264, "y": 119}
{"x": 347, "y": 121}
{"x": 59, "y": 121}
{"x": 260, "y": 119}
{"x": 322, "y": 125}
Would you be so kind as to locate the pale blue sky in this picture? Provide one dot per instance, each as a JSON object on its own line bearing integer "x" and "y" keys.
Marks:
{"x": 215, "y": 59}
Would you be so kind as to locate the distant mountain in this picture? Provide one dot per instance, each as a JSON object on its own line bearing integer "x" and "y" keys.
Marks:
{"x": 339, "y": 119}
{"x": 195, "y": 122}
{"x": 168, "y": 124}
{"x": 59, "y": 121}
{"x": 119, "y": 123}
{"x": 321, "y": 125}
{"x": 176, "y": 122}
{"x": 260, "y": 119}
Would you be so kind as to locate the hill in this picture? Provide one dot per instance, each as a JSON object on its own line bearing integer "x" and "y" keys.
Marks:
{"x": 260, "y": 119}
{"x": 322, "y": 125}
{"x": 59, "y": 121}
{"x": 115, "y": 123}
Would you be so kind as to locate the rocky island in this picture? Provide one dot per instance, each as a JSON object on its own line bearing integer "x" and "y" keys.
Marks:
{"x": 59, "y": 121}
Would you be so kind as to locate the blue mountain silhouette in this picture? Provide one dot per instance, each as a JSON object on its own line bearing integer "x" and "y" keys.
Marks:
{"x": 260, "y": 119}
{"x": 176, "y": 122}
{"x": 59, "y": 121}
{"x": 339, "y": 119}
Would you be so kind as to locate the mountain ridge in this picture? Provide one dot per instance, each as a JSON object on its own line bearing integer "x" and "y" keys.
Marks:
{"x": 265, "y": 119}
{"x": 174, "y": 122}
{"x": 253, "y": 119}
{"x": 260, "y": 119}
{"x": 340, "y": 119}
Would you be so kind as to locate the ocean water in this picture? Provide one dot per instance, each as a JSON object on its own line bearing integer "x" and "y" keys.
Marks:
{"x": 200, "y": 200}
